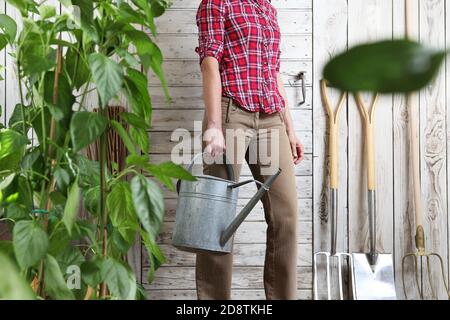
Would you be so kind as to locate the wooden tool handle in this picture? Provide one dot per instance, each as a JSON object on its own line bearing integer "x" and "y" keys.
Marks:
{"x": 414, "y": 127}
{"x": 369, "y": 126}
{"x": 333, "y": 146}
{"x": 334, "y": 156}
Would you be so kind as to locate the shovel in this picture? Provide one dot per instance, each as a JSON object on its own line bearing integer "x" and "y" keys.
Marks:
{"x": 374, "y": 272}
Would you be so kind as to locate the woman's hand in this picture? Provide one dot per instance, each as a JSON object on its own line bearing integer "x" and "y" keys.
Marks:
{"x": 215, "y": 141}
{"x": 296, "y": 148}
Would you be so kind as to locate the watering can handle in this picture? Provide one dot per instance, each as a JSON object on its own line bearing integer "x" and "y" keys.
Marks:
{"x": 231, "y": 229}
{"x": 228, "y": 166}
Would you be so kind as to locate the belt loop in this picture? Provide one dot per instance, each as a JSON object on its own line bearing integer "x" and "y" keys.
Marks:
{"x": 230, "y": 102}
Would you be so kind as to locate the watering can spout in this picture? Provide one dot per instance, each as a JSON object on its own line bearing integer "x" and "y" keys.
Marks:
{"x": 234, "y": 225}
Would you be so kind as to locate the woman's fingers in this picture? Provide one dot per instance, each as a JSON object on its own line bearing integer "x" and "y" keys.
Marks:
{"x": 300, "y": 153}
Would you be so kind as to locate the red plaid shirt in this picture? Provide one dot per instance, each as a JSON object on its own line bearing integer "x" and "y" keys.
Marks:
{"x": 244, "y": 37}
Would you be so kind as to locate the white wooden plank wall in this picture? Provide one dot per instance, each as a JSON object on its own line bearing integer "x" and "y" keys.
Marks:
{"x": 178, "y": 38}
{"x": 335, "y": 24}
{"x": 372, "y": 20}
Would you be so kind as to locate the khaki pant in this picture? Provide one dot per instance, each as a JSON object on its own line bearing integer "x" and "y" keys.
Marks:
{"x": 214, "y": 272}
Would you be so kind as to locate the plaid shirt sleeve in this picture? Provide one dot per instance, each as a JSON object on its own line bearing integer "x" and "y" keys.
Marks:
{"x": 210, "y": 22}
{"x": 277, "y": 66}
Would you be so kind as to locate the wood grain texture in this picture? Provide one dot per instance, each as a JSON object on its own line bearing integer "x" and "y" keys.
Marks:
{"x": 243, "y": 278}
{"x": 403, "y": 201}
{"x": 370, "y": 21}
{"x": 237, "y": 294}
{"x": 433, "y": 140}
{"x": 3, "y": 105}
{"x": 326, "y": 45}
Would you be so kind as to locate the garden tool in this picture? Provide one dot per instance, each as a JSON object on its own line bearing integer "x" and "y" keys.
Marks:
{"x": 374, "y": 272}
{"x": 206, "y": 212}
{"x": 421, "y": 254}
{"x": 339, "y": 257}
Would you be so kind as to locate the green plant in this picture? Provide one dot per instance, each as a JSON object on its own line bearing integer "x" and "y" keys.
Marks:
{"x": 61, "y": 59}
{"x": 393, "y": 66}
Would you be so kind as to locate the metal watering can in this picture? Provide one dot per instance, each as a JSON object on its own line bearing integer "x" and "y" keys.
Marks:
{"x": 206, "y": 213}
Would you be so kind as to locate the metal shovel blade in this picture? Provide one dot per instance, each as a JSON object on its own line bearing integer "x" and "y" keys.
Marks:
{"x": 374, "y": 282}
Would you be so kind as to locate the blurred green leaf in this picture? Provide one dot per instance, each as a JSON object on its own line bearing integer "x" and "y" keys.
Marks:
{"x": 120, "y": 279}
{"x": 13, "y": 286}
{"x": 397, "y": 66}
{"x": 107, "y": 75}
{"x": 86, "y": 127}
{"x": 30, "y": 243}
{"x": 149, "y": 204}
{"x": 55, "y": 285}
{"x": 8, "y": 26}
{"x": 72, "y": 206}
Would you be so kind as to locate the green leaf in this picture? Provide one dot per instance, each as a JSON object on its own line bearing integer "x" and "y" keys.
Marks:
{"x": 149, "y": 204}
{"x": 36, "y": 56}
{"x": 72, "y": 206}
{"x": 30, "y": 243}
{"x": 91, "y": 272}
{"x": 86, "y": 127}
{"x": 124, "y": 136}
{"x": 77, "y": 68}
{"x": 140, "y": 138}
{"x": 134, "y": 120}
{"x": 120, "y": 279}
{"x": 156, "y": 256}
{"x": 156, "y": 61}
{"x": 12, "y": 285}
{"x": 9, "y": 27}
{"x": 107, "y": 75}
{"x": 55, "y": 285}
{"x": 137, "y": 83}
{"x": 172, "y": 170}
{"x": 397, "y": 66}
{"x": 47, "y": 11}
{"x": 10, "y": 142}
{"x": 121, "y": 210}
{"x": 91, "y": 198}
{"x": 24, "y": 6}
{"x": 12, "y": 148}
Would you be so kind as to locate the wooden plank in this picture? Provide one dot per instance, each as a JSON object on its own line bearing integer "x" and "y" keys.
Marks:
{"x": 370, "y": 21}
{"x": 248, "y": 233}
{"x": 433, "y": 146}
{"x": 183, "y": 46}
{"x": 3, "y": 75}
{"x": 187, "y": 72}
{"x": 281, "y": 4}
{"x": 403, "y": 202}
{"x": 304, "y": 211}
{"x": 192, "y": 97}
{"x": 164, "y": 142}
{"x": 304, "y": 189}
{"x": 243, "y": 278}
{"x": 328, "y": 17}
{"x": 237, "y": 294}
{"x": 12, "y": 96}
{"x": 183, "y": 22}
{"x": 169, "y": 120}
{"x": 447, "y": 75}
{"x": 244, "y": 255}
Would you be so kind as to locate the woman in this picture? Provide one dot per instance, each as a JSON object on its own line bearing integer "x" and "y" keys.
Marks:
{"x": 245, "y": 102}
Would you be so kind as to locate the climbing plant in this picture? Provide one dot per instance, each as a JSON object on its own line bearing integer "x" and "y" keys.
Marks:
{"x": 63, "y": 54}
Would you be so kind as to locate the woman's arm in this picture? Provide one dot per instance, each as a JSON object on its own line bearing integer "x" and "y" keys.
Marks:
{"x": 212, "y": 93}
{"x": 296, "y": 147}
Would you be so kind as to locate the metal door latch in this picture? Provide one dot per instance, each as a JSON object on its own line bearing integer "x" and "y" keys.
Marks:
{"x": 300, "y": 77}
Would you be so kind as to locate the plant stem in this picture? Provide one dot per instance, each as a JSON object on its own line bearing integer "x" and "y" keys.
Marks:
{"x": 103, "y": 191}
